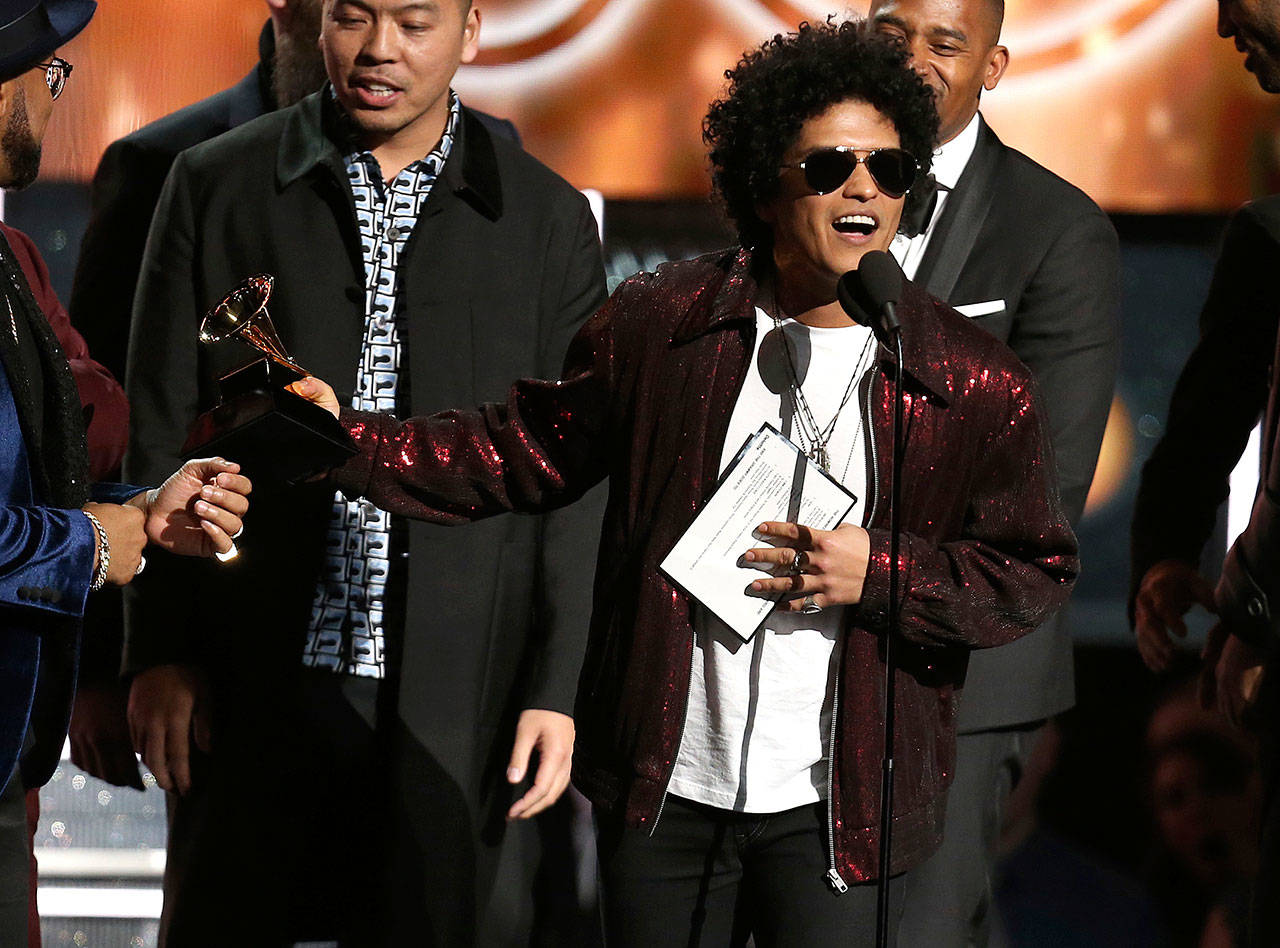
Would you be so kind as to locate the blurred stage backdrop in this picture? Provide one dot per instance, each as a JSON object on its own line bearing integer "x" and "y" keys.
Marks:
{"x": 1136, "y": 101}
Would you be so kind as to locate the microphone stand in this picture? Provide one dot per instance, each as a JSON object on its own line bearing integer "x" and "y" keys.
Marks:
{"x": 895, "y": 611}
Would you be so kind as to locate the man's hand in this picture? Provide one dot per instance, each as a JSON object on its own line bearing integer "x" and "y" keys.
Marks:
{"x": 168, "y": 706}
{"x": 100, "y": 741}
{"x": 198, "y": 509}
{"x": 126, "y": 537}
{"x": 314, "y": 390}
{"x": 1168, "y": 590}
{"x": 815, "y": 567}
{"x": 552, "y": 734}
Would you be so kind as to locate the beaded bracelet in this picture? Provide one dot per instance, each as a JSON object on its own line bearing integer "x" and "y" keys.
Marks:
{"x": 104, "y": 553}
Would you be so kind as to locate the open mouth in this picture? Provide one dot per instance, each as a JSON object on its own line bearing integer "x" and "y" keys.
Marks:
{"x": 856, "y": 225}
{"x": 374, "y": 91}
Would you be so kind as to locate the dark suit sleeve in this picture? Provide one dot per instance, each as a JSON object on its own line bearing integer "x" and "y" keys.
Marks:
{"x": 125, "y": 190}
{"x": 570, "y": 536}
{"x": 161, "y": 622}
{"x": 1217, "y": 400}
{"x": 1066, "y": 330}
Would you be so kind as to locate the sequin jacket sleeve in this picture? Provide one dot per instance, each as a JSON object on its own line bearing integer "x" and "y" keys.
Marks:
{"x": 1014, "y": 559}
{"x": 541, "y": 449}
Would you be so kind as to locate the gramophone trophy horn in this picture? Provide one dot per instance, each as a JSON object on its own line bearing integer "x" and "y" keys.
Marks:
{"x": 243, "y": 316}
{"x": 272, "y": 433}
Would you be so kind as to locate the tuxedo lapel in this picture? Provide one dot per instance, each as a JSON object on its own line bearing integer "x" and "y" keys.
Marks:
{"x": 962, "y": 218}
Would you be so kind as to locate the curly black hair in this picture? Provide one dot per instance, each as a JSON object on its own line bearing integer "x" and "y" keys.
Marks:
{"x": 790, "y": 79}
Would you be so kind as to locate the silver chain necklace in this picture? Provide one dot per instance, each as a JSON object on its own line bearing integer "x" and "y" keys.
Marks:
{"x": 813, "y": 439}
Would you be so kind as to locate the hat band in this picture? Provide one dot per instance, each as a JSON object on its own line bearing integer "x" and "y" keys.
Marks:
{"x": 26, "y": 30}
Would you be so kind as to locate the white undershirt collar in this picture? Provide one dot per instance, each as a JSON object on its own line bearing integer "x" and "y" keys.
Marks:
{"x": 950, "y": 158}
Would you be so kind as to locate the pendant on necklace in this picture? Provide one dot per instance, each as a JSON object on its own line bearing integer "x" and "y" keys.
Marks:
{"x": 818, "y": 454}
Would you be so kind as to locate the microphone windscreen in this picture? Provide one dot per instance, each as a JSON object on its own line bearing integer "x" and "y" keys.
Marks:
{"x": 869, "y": 294}
{"x": 881, "y": 279}
{"x": 853, "y": 298}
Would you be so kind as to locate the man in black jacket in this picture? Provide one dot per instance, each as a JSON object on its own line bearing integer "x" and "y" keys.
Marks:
{"x": 1216, "y": 403}
{"x": 424, "y": 262}
{"x": 1031, "y": 259}
{"x": 1227, "y": 381}
{"x": 126, "y": 188}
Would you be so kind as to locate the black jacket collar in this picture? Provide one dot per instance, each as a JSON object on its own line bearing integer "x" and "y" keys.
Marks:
{"x": 307, "y": 143}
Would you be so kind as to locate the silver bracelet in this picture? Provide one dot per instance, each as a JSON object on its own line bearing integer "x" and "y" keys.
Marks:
{"x": 104, "y": 553}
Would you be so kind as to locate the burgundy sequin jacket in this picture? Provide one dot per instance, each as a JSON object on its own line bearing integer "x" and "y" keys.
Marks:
{"x": 649, "y": 385}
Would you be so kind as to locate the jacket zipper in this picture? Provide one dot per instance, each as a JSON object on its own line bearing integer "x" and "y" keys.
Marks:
{"x": 833, "y": 874}
{"x": 684, "y": 719}
{"x": 867, "y": 426}
{"x": 834, "y": 879}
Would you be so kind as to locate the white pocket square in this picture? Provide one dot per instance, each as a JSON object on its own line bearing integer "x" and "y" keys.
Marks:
{"x": 980, "y": 309}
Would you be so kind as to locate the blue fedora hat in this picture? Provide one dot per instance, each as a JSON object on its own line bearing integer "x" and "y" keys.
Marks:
{"x": 30, "y": 30}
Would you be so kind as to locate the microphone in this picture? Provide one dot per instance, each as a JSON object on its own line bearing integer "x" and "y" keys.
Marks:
{"x": 870, "y": 294}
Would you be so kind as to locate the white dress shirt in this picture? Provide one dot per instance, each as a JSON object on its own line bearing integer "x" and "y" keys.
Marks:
{"x": 949, "y": 162}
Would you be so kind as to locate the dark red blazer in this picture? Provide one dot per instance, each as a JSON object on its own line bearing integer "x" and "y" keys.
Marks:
{"x": 649, "y": 385}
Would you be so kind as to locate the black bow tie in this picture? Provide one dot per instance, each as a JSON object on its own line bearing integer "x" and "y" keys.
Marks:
{"x": 921, "y": 201}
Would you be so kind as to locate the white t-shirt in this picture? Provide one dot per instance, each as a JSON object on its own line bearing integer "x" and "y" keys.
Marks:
{"x": 759, "y": 714}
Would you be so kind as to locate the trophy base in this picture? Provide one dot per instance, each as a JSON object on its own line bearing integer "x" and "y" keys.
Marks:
{"x": 273, "y": 434}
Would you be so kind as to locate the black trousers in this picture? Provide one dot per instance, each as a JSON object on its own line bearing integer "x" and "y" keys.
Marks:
{"x": 949, "y": 897}
{"x": 709, "y": 878}
{"x": 308, "y": 824}
{"x": 15, "y": 863}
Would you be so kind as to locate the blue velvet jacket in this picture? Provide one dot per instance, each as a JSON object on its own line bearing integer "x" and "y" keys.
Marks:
{"x": 46, "y": 564}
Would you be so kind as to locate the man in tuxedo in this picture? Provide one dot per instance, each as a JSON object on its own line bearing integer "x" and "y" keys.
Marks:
{"x": 1187, "y": 478}
{"x": 423, "y": 261}
{"x": 1033, "y": 260}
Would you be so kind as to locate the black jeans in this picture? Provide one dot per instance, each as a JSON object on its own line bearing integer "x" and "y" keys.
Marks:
{"x": 708, "y": 878}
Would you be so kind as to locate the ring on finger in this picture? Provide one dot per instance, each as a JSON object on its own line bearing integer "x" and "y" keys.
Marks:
{"x": 797, "y": 567}
{"x": 809, "y": 607}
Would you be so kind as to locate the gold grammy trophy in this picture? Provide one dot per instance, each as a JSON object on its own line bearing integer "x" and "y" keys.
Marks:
{"x": 272, "y": 433}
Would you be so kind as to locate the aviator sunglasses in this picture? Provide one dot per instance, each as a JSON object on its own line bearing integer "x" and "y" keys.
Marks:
{"x": 892, "y": 169}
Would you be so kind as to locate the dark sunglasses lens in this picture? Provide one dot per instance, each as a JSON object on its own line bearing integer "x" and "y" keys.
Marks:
{"x": 824, "y": 171}
{"x": 893, "y": 169}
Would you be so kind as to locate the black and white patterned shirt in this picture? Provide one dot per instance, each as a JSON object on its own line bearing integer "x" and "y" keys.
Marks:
{"x": 348, "y": 614}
